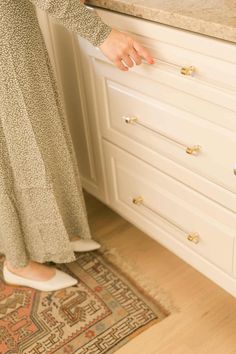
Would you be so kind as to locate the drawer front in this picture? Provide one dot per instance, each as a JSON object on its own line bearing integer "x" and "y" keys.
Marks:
{"x": 194, "y": 220}
{"x": 202, "y": 66}
{"x": 203, "y": 147}
{"x": 197, "y": 67}
{"x": 213, "y": 105}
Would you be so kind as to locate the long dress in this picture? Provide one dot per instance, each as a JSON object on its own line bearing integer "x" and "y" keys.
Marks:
{"x": 41, "y": 198}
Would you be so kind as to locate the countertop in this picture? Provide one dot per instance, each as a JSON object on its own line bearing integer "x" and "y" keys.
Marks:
{"x": 215, "y": 18}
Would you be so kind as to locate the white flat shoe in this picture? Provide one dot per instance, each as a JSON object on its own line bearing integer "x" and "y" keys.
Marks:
{"x": 59, "y": 281}
{"x": 84, "y": 245}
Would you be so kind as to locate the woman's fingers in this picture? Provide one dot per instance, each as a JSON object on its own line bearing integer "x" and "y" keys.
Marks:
{"x": 134, "y": 55}
{"x": 124, "y": 51}
{"x": 144, "y": 53}
{"x": 120, "y": 65}
{"x": 127, "y": 60}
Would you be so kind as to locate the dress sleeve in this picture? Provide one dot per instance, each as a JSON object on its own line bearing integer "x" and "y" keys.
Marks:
{"x": 76, "y": 17}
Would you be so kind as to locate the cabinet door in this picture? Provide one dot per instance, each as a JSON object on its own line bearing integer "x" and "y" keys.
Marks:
{"x": 69, "y": 68}
{"x": 190, "y": 225}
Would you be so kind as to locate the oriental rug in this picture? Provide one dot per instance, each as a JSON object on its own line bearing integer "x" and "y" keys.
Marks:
{"x": 104, "y": 311}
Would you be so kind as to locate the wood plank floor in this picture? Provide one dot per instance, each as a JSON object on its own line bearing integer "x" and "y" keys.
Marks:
{"x": 206, "y": 322}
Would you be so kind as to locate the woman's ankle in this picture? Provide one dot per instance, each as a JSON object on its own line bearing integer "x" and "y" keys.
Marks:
{"x": 33, "y": 270}
{"x": 16, "y": 269}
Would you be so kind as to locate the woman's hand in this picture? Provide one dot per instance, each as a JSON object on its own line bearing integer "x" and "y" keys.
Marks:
{"x": 124, "y": 51}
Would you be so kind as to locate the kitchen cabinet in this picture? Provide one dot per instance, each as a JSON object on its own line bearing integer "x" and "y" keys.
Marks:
{"x": 161, "y": 140}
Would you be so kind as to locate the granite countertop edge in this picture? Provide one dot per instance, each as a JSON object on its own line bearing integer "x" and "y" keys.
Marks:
{"x": 210, "y": 27}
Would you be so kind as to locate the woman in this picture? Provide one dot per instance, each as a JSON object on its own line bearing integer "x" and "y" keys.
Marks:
{"x": 42, "y": 205}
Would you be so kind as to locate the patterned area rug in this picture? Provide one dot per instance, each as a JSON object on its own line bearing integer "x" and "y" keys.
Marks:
{"x": 100, "y": 314}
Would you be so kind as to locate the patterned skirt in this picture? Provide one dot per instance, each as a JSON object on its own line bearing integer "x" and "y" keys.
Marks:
{"x": 41, "y": 198}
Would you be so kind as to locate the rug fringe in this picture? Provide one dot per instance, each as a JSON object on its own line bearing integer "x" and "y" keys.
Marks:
{"x": 148, "y": 286}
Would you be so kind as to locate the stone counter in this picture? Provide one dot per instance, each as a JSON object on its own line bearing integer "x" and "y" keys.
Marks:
{"x": 215, "y": 18}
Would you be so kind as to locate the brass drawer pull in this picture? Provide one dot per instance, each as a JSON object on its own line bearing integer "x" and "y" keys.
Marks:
{"x": 130, "y": 119}
{"x": 194, "y": 149}
{"x": 188, "y": 70}
{"x": 193, "y": 237}
{"x": 234, "y": 169}
{"x": 138, "y": 200}
{"x": 184, "y": 70}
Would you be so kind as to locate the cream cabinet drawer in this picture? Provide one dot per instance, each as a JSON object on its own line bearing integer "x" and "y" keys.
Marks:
{"x": 204, "y": 59}
{"x": 211, "y": 104}
{"x": 204, "y": 67}
{"x": 203, "y": 147}
{"x": 199, "y": 223}
{"x": 198, "y": 68}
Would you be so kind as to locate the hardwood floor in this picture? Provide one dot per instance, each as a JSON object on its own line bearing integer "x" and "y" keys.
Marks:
{"x": 206, "y": 322}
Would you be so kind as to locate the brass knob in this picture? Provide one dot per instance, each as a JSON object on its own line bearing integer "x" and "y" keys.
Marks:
{"x": 235, "y": 169}
{"x": 193, "y": 149}
{"x": 130, "y": 119}
{"x": 138, "y": 200}
{"x": 187, "y": 70}
{"x": 193, "y": 237}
